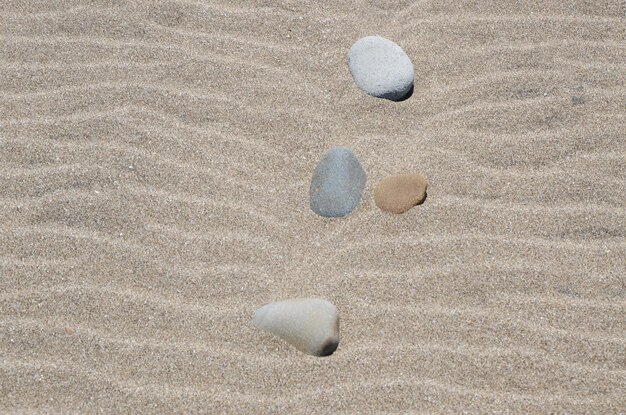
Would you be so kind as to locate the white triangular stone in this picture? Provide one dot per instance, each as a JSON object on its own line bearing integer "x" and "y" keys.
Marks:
{"x": 311, "y": 325}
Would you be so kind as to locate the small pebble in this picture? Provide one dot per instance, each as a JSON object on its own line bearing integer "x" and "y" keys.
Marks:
{"x": 399, "y": 193}
{"x": 337, "y": 183}
{"x": 311, "y": 325}
{"x": 381, "y": 68}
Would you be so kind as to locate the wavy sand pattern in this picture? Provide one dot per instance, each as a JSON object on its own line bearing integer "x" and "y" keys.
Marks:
{"x": 155, "y": 159}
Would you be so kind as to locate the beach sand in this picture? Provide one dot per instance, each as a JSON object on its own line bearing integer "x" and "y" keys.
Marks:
{"x": 155, "y": 162}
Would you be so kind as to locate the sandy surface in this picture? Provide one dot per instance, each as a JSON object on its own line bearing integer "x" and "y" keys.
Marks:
{"x": 155, "y": 160}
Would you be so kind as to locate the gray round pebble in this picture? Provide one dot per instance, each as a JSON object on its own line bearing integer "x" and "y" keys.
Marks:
{"x": 381, "y": 68}
{"x": 337, "y": 183}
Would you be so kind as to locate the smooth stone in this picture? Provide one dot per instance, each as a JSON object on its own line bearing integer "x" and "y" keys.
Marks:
{"x": 337, "y": 183}
{"x": 399, "y": 193}
{"x": 311, "y": 325}
{"x": 381, "y": 68}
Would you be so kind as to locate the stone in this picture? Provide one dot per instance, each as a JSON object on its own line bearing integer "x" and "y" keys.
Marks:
{"x": 337, "y": 184}
{"x": 399, "y": 193}
{"x": 311, "y": 325}
{"x": 381, "y": 68}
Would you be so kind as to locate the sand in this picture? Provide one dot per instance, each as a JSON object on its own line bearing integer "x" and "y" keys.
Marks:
{"x": 155, "y": 161}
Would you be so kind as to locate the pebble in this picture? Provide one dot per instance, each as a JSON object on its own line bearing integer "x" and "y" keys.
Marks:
{"x": 311, "y": 325}
{"x": 381, "y": 68}
{"x": 337, "y": 183}
{"x": 399, "y": 193}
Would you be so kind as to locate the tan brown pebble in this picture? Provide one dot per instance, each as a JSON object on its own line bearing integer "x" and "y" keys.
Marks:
{"x": 399, "y": 193}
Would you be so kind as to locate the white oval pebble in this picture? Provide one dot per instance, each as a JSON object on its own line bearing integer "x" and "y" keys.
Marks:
{"x": 381, "y": 68}
{"x": 311, "y": 325}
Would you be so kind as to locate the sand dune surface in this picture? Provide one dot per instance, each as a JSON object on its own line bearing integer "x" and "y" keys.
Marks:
{"x": 155, "y": 163}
